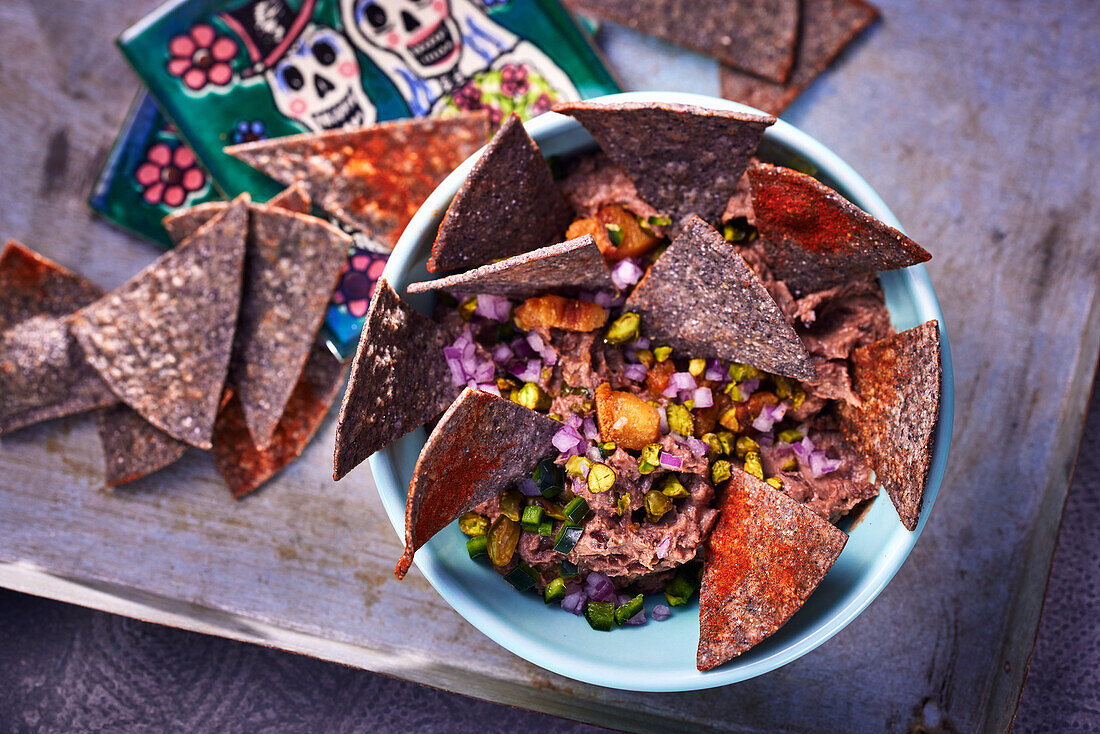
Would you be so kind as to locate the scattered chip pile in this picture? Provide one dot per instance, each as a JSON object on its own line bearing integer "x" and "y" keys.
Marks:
{"x": 215, "y": 345}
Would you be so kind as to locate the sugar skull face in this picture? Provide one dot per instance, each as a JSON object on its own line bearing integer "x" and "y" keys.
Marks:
{"x": 421, "y": 32}
{"x": 317, "y": 82}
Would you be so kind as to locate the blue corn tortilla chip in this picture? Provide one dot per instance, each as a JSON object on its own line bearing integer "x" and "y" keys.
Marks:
{"x": 507, "y": 205}
{"x": 399, "y": 380}
{"x": 162, "y": 341}
{"x": 576, "y": 263}
{"x": 482, "y": 445}
{"x": 684, "y": 160}
{"x": 180, "y": 224}
{"x": 701, "y": 298}
{"x": 132, "y": 447}
{"x": 765, "y": 556}
{"x": 815, "y": 239}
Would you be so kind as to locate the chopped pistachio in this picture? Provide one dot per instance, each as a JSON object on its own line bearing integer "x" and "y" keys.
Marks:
{"x": 556, "y": 416}
{"x": 623, "y": 329}
{"x": 606, "y": 448}
{"x": 466, "y": 310}
{"x": 473, "y": 524}
{"x": 601, "y": 478}
{"x": 790, "y": 464}
{"x": 712, "y": 441}
{"x": 728, "y": 441}
{"x": 689, "y": 404}
{"x": 797, "y": 398}
{"x": 503, "y": 537}
{"x": 622, "y": 506}
{"x": 531, "y": 396}
{"x": 588, "y": 405}
{"x": 645, "y": 356}
{"x": 729, "y": 420}
{"x": 697, "y": 367}
{"x": 506, "y": 384}
{"x": 782, "y": 387}
{"x": 734, "y": 392}
{"x": 662, "y": 353}
{"x": 680, "y": 420}
{"x": 745, "y": 445}
{"x": 615, "y": 234}
{"x": 720, "y": 471}
{"x": 670, "y": 486}
{"x": 739, "y": 372}
{"x": 790, "y": 435}
{"x": 511, "y": 504}
{"x": 574, "y": 467}
{"x": 650, "y": 458}
{"x": 656, "y": 505}
{"x": 775, "y": 482}
{"x": 679, "y": 590}
{"x": 753, "y": 466}
{"x": 660, "y": 221}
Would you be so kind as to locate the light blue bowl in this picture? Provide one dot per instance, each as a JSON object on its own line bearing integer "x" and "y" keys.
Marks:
{"x": 660, "y": 656}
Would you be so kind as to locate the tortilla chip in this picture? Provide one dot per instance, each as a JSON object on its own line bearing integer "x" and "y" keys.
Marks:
{"x": 132, "y": 447}
{"x": 43, "y": 373}
{"x": 399, "y": 380}
{"x": 827, "y": 27}
{"x": 701, "y": 298}
{"x": 179, "y": 225}
{"x": 376, "y": 177}
{"x": 898, "y": 382}
{"x": 240, "y": 462}
{"x": 162, "y": 340}
{"x": 576, "y": 263}
{"x": 292, "y": 264}
{"x": 684, "y": 160}
{"x": 758, "y": 36}
{"x": 764, "y": 557}
{"x": 507, "y": 205}
{"x": 482, "y": 446}
{"x": 815, "y": 238}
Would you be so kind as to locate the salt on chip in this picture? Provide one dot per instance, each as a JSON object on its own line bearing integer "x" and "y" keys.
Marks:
{"x": 483, "y": 445}
{"x": 399, "y": 380}
{"x": 765, "y": 556}
{"x": 684, "y": 160}
{"x": 162, "y": 341}
{"x": 132, "y": 447}
{"x": 827, "y": 27}
{"x": 244, "y": 466}
{"x": 701, "y": 298}
{"x": 508, "y": 204}
{"x": 182, "y": 223}
{"x": 292, "y": 264}
{"x": 814, "y": 238}
{"x": 43, "y": 373}
{"x": 576, "y": 263}
{"x": 376, "y": 177}
{"x": 898, "y": 380}
{"x": 758, "y": 36}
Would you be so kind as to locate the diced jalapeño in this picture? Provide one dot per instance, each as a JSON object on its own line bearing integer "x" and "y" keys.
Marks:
{"x": 577, "y": 509}
{"x": 568, "y": 569}
{"x": 679, "y": 590}
{"x": 546, "y": 528}
{"x": 549, "y": 478}
{"x": 522, "y": 577}
{"x": 554, "y": 590}
{"x": 615, "y": 234}
{"x": 477, "y": 545}
{"x": 531, "y": 518}
{"x": 567, "y": 537}
{"x": 600, "y": 615}
{"x": 628, "y": 610}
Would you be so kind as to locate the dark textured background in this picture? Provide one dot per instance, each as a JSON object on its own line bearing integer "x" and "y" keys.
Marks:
{"x": 68, "y": 669}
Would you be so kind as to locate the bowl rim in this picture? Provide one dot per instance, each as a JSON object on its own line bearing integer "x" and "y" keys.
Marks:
{"x": 392, "y": 491}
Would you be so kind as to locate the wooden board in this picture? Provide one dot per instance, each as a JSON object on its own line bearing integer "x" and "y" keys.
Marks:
{"x": 985, "y": 159}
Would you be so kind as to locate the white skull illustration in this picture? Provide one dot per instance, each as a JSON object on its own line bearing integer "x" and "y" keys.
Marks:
{"x": 421, "y": 32}
{"x": 317, "y": 82}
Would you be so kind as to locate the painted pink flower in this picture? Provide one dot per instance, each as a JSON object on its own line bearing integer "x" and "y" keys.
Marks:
{"x": 468, "y": 97}
{"x": 169, "y": 174}
{"x": 361, "y": 272}
{"x": 542, "y": 104}
{"x": 513, "y": 80}
{"x": 201, "y": 57}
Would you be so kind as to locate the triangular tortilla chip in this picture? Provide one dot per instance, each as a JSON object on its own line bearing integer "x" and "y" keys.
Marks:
{"x": 482, "y": 446}
{"x": 292, "y": 263}
{"x": 764, "y": 557}
{"x": 684, "y": 160}
{"x": 376, "y": 177}
{"x": 180, "y": 224}
{"x": 701, "y": 298}
{"x": 576, "y": 263}
{"x": 758, "y": 36}
{"x": 898, "y": 381}
{"x": 246, "y": 467}
{"x": 43, "y": 373}
{"x": 399, "y": 380}
{"x": 827, "y": 27}
{"x": 815, "y": 238}
{"x": 132, "y": 447}
{"x": 507, "y": 205}
{"x": 162, "y": 340}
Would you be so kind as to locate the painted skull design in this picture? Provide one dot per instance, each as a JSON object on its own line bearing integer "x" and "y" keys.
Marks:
{"x": 421, "y": 32}
{"x": 318, "y": 84}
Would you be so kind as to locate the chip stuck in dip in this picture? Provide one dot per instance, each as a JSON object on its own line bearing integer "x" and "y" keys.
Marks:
{"x": 691, "y": 423}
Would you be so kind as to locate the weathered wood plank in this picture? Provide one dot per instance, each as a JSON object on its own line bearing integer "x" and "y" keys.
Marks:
{"x": 974, "y": 124}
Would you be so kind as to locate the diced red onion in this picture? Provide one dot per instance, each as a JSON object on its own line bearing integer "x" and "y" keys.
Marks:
{"x": 698, "y": 447}
{"x": 716, "y": 371}
{"x": 671, "y": 462}
{"x": 820, "y": 464}
{"x": 455, "y": 365}
{"x": 769, "y": 416}
{"x": 493, "y": 307}
{"x": 604, "y": 299}
{"x": 664, "y": 419}
{"x": 748, "y": 387}
{"x": 663, "y": 546}
{"x": 803, "y": 449}
{"x": 635, "y": 372}
{"x": 585, "y": 468}
{"x": 490, "y": 387}
{"x": 599, "y": 587}
{"x": 641, "y": 343}
{"x": 521, "y": 348}
{"x": 767, "y": 441}
{"x": 685, "y": 395}
{"x": 703, "y": 397}
{"x": 528, "y": 487}
{"x": 502, "y": 353}
{"x": 594, "y": 454}
{"x": 621, "y": 599}
{"x": 529, "y": 372}
{"x": 588, "y": 428}
{"x": 588, "y": 296}
{"x": 574, "y": 600}
{"x": 566, "y": 438}
{"x": 625, "y": 273}
{"x": 578, "y": 484}
{"x": 637, "y": 619}
{"x": 546, "y": 352}
{"x": 573, "y": 420}
{"x": 682, "y": 381}
{"x": 660, "y": 612}
{"x": 484, "y": 372}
